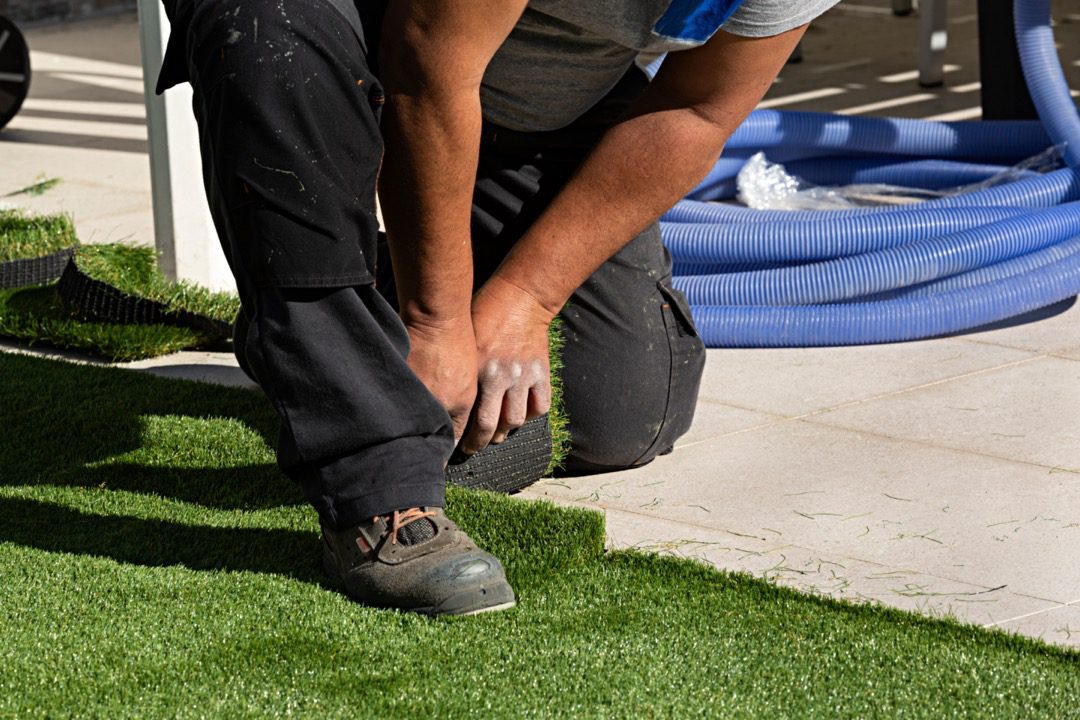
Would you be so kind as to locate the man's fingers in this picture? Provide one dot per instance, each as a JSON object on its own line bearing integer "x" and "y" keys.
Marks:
{"x": 460, "y": 421}
{"x": 539, "y": 401}
{"x": 509, "y": 394}
{"x": 515, "y": 408}
{"x": 485, "y": 420}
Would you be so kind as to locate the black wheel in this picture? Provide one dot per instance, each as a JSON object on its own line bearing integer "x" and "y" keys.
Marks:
{"x": 14, "y": 70}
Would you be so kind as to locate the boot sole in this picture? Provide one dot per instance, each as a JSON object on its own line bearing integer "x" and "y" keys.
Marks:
{"x": 471, "y": 602}
{"x": 493, "y": 608}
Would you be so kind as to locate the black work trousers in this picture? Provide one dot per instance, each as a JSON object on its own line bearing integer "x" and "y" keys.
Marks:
{"x": 288, "y": 103}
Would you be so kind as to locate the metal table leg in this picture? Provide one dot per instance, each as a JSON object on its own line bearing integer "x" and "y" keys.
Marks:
{"x": 933, "y": 40}
{"x": 1004, "y": 91}
{"x": 183, "y": 229}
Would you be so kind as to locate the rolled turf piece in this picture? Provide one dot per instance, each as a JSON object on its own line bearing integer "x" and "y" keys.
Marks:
{"x": 510, "y": 466}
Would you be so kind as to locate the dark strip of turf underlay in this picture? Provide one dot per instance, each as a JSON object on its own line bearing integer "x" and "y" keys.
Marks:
{"x": 133, "y": 273}
{"x": 150, "y": 600}
{"x": 35, "y": 271}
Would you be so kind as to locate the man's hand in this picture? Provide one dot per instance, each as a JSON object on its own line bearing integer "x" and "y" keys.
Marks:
{"x": 514, "y": 381}
{"x": 432, "y": 73}
{"x": 443, "y": 356}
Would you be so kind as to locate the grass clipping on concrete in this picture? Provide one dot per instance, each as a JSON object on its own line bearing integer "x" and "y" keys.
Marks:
{"x": 155, "y": 563}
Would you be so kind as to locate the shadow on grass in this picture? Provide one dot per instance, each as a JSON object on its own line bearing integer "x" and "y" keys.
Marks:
{"x": 244, "y": 487}
{"x": 65, "y": 425}
{"x": 55, "y": 528}
{"x": 78, "y": 425}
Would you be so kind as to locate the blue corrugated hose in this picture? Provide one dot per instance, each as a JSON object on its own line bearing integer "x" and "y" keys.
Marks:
{"x": 844, "y": 277}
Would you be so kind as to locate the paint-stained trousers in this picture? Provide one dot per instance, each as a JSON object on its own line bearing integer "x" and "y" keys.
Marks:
{"x": 287, "y": 99}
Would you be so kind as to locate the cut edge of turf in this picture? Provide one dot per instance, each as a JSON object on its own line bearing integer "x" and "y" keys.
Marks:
{"x": 513, "y": 527}
{"x": 557, "y": 420}
{"x": 134, "y": 271}
{"x": 867, "y": 607}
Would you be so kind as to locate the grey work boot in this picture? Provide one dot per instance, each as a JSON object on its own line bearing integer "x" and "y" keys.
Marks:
{"x": 417, "y": 560}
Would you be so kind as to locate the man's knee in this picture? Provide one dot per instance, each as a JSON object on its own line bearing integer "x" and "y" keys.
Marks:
{"x": 629, "y": 423}
{"x": 626, "y": 407}
{"x": 627, "y": 437}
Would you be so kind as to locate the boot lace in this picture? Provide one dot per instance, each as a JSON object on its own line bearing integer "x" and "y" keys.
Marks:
{"x": 400, "y": 518}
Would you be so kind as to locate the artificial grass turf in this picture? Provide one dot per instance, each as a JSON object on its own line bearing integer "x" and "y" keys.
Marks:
{"x": 36, "y": 314}
{"x": 32, "y": 236}
{"x": 153, "y": 562}
{"x": 557, "y": 421}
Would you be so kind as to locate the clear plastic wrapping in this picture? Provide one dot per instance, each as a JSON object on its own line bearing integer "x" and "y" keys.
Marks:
{"x": 765, "y": 185}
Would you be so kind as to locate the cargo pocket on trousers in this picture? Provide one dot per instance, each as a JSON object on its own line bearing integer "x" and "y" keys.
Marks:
{"x": 687, "y": 365}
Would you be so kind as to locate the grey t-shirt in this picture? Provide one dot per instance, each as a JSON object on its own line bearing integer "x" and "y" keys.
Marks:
{"x": 565, "y": 55}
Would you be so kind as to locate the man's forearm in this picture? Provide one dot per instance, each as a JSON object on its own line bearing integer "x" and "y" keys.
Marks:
{"x": 426, "y": 191}
{"x": 645, "y": 163}
{"x": 641, "y": 168}
{"x": 434, "y": 57}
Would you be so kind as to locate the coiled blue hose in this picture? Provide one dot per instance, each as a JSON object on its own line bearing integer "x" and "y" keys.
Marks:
{"x": 805, "y": 240}
{"x": 891, "y": 320}
{"x": 1045, "y": 79}
{"x": 876, "y": 272}
{"x": 886, "y": 274}
{"x": 1046, "y": 190}
{"x": 844, "y": 135}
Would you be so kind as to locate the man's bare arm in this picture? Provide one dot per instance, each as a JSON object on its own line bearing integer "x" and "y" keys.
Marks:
{"x": 647, "y": 162}
{"x": 435, "y": 53}
{"x": 640, "y": 168}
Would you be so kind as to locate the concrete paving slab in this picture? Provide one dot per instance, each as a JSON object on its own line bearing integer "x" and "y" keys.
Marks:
{"x": 48, "y": 353}
{"x": 84, "y": 123}
{"x": 104, "y": 210}
{"x": 713, "y": 419}
{"x": 966, "y": 518}
{"x": 795, "y": 381}
{"x": 833, "y": 575}
{"x": 1055, "y": 329}
{"x": 218, "y": 368}
{"x": 1029, "y": 411}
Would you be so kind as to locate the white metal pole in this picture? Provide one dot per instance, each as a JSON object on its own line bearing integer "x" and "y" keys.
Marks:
{"x": 184, "y": 234}
{"x": 933, "y": 41}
